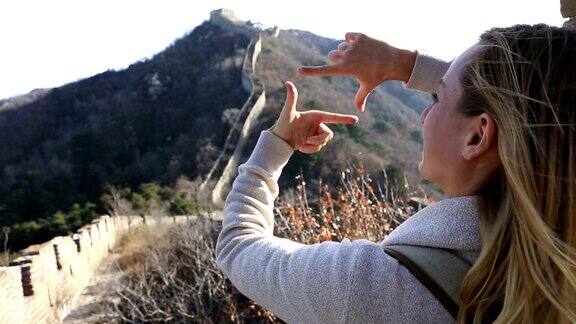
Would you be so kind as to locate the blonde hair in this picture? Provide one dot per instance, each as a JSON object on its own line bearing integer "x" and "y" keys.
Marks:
{"x": 525, "y": 78}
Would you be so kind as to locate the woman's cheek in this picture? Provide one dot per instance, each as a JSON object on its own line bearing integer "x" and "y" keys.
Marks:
{"x": 428, "y": 145}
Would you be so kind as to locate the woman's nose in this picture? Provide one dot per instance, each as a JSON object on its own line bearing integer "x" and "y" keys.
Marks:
{"x": 424, "y": 113}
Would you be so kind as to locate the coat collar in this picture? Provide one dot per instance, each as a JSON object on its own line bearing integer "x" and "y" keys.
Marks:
{"x": 450, "y": 223}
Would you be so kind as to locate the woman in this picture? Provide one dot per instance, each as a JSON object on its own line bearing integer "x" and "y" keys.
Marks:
{"x": 500, "y": 141}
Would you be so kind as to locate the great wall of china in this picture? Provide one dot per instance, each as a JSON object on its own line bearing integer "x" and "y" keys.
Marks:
{"x": 43, "y": 285}
{"x": 219, "y": 180}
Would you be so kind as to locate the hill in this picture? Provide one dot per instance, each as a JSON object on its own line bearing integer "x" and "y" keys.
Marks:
{"x": 388, "y": 132}
{"x": 170, "y": 115}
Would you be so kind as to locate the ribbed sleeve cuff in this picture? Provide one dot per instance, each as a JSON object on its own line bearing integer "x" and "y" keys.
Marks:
{"x": 426, "y": 73}
{"x": 271, "y": 153}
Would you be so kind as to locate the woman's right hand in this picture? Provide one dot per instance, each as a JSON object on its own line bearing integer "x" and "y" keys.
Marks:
{"x": 368, "y": 60}
{"x": 306, "y": 131}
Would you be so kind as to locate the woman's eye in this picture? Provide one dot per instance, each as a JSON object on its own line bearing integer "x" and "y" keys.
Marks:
{"x": 434, "y": 97}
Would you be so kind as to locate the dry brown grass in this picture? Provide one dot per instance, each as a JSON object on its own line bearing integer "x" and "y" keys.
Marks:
{"x": 6, "y": 255}
{"x": 4, "y": 259}
{"x": 358, "y": 209}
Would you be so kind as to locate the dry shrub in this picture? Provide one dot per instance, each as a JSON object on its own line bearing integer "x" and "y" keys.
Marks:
{"x": 360, "y": 209}
{"x": 136, "y": 246}
{"x": 4, "y": 259}
{"x": 6, "y": 255}
{"x": 171, "y": 276}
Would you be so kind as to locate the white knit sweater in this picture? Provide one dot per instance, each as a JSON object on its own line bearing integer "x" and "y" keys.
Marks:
{"x": 335, "y": 282}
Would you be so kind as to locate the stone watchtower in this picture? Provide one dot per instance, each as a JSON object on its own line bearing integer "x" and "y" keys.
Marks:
{"x": 224, "y": 13}
{"x": 226, "y": 20}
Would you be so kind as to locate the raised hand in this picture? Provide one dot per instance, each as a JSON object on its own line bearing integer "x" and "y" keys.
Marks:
{"x": 306, "y": 131}
{"x": 369, "y": 60}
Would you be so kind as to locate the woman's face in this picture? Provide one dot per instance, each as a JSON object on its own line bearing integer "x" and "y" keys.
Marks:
{"x": 447, "y": 133}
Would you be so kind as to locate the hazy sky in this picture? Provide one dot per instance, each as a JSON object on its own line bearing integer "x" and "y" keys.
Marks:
{"x": 50, "y": 43}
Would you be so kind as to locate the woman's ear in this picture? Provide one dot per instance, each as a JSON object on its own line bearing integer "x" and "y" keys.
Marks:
{"x": 481, "y": 136}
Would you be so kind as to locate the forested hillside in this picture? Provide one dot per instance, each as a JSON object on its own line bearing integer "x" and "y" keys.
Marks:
{"x": 167, "y": 117}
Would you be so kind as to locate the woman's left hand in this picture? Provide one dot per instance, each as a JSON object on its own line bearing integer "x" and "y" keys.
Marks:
{"x": 306, "y": 131}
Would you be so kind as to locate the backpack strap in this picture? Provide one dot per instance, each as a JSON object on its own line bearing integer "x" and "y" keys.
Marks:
{"x": 440, "y": 270}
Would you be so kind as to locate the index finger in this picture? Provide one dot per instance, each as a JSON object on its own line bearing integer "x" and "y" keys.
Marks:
{"x": 322, "y": 70}
{"x": 333, "y": 118}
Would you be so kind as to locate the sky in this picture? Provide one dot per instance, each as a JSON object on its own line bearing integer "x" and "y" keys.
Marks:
{"x": 48, "y": 43}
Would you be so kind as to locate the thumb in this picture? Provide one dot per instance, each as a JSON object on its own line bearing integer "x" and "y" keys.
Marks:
{"x": 361, "y": 96}
{"x": 291, "y": 99}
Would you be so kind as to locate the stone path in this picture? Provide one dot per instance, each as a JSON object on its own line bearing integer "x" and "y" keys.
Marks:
{"x": 88, "y": 308}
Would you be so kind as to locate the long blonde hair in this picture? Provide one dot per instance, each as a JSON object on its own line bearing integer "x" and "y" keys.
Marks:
{"x": 525, "y": 78}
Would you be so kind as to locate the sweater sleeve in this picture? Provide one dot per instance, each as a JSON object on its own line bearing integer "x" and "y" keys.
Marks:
{"x": 426, "y": 73}
{"x": 298, "y": 282}
{"x": 328, "y": 282}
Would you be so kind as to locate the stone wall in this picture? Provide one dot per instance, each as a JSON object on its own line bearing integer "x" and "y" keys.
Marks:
{"x": 43, "y": 285}
{"x": 217, "y": 183}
